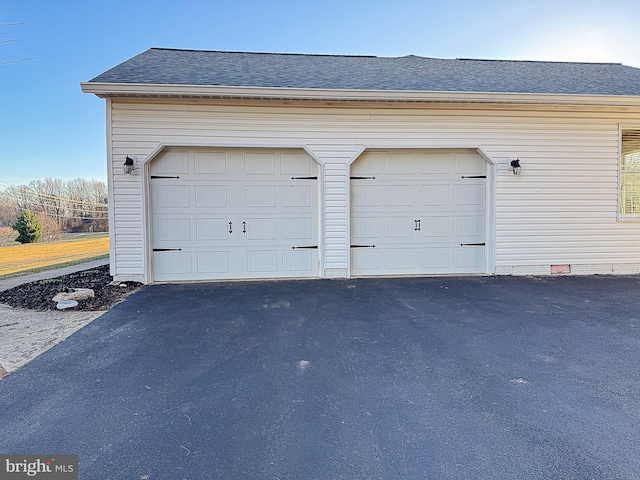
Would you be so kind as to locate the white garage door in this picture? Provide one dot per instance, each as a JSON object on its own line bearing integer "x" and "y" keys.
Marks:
{"x": 233, "y": 214}
{"x": 418, "y": 213}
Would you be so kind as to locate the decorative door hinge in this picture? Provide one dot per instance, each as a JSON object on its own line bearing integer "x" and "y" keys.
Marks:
{"x": 167, "y": 249}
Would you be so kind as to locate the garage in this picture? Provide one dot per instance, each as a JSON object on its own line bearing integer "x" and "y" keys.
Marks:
{"x": 415, "y": 172}
{"x": 418, "y": 212}
{"x": 233, "y": 214}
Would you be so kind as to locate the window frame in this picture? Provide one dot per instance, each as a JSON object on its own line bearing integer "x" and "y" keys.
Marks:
{"x": 624, "y": 216}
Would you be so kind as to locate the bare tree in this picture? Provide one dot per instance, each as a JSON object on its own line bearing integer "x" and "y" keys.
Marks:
{"x": 100, "y": 197}
{"x": 48, "y": 194}
{"x": 76, "y": 205}
{"x": 50, "y": 228}
{"x": 19, "y": 197}
{"x": 8, "y": 235}
{"x": 80, "y": 191}
{"x": 9, "y": 211}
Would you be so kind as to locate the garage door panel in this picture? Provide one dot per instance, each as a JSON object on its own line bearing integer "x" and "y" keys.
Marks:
{"x": 436, "y": 227}
{"x": 436, "y": 259}
{"x": 259, "y": 164}
{"x": 365, "y": 227}
{"x": 262, "y": 261}
{"x": 398, "y": 195}
{"x": 172, "y": 196}
{"x": 173, "y": 229}
{"x": 213, "y": 262}
{"x": 399, "y": 164}
{"x": 210, "y": 163}
{"x": 370, "y": 167}
{"x": 297, "y": 196}
{"x": 466, "y": 194}
{"x": 365, "y": 195}
{"x": 436, "y": 164}
{"x": 234, "y": 214}
{"x": 470, "y": 227}
{"x": 469, "y": 163}
{"x": 436, "y": 195}
{"x": 172, "y": 162}
{"x": 399, "y": 227}
{"x": 297, "y": 229}
{"x": 296, "y": 164}
{"x": 365, "y": 259}
{"x": 172, "y": 263}
{"x": 469, "y": 257}
{"x": 399, "y": 259}
{"x": 261, "y": 229}
{"x": 262, "y": 196}
{"x": 208, "y": 229}
{"x": 300, "y": 261}
{"x": 211, "y": 196}
{"x": 427, "y": 211}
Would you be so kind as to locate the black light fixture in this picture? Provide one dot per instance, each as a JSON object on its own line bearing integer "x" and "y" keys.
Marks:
{"x": 515, "y": 166}
{"x": 128, "y": 167}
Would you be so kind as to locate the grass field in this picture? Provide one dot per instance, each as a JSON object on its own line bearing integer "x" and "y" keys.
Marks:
{"x": 34, "y": 257}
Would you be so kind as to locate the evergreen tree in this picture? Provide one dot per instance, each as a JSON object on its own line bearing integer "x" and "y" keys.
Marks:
{"x": 29, "y": 227}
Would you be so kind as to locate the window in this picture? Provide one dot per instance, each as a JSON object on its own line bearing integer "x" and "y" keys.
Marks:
{"x": 630, "y": 172}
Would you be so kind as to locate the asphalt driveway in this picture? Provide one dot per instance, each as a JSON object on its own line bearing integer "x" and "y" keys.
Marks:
{"x": 457, "y": 378}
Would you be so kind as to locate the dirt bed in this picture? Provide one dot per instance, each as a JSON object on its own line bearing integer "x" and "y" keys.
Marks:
{"x": 38, "y": 295}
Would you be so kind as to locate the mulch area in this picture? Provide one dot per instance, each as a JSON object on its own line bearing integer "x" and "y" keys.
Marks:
{"x": 38, "y": 295}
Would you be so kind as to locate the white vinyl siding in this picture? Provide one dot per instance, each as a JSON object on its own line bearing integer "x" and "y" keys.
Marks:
{"x": 561, "y": 210}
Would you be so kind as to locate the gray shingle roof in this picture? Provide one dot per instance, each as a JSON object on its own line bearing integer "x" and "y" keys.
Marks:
{"x": 411, "y": 73}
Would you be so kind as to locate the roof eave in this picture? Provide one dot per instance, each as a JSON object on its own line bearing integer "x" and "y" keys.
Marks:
{"x": 139, "y": 90}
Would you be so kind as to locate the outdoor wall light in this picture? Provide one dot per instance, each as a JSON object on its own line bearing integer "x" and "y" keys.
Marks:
{"x": 515, "y": 166}
{"x": 128, "y": 167}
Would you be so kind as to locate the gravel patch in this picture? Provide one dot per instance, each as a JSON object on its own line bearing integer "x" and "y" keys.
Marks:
{"x": 30, "y": 324}
{"x": 25, "y": 334}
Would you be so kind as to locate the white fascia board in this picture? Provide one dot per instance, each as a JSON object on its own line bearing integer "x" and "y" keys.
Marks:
{"x": 104, "y": 90}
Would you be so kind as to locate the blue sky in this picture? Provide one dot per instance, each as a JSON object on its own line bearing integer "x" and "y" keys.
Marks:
{"x": 49, "y": 128}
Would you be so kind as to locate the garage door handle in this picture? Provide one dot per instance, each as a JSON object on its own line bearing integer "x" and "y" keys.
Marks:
{"x": 244, "y": 227}
{"x": 230, "y": 231}
{"x": 416, "y": 225}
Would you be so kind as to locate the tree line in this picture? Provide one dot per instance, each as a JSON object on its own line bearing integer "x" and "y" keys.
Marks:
{"x": 60, "y": 206}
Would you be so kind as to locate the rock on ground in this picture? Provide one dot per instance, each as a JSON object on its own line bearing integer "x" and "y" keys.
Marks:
{"x": 37, "y": 295}
{"x": 76, "y": 294}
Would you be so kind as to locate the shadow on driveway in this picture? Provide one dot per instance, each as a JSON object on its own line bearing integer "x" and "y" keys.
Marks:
{"x": 479, "y": 377}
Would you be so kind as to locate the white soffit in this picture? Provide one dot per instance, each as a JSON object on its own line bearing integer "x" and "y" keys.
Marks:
{"x": 134, "y": 90}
